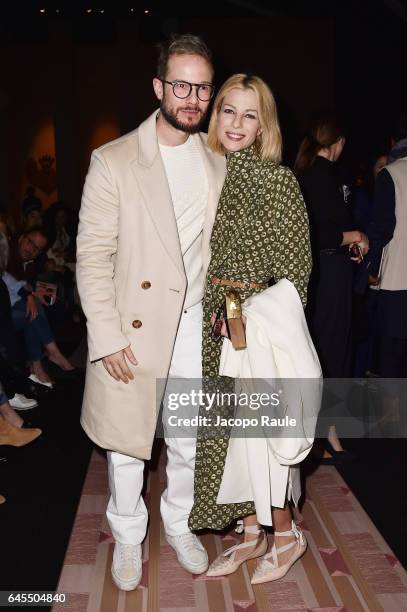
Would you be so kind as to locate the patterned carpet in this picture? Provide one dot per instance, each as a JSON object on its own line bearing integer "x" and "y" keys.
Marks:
{"x": 348, "y": 566}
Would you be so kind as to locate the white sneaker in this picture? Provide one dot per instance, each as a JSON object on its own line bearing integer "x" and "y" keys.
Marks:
{"x": 126, "y": 566}
{"x": 21, "y": 402}
{"x": 190, "y": 552}
{"x": 35, "y": 379}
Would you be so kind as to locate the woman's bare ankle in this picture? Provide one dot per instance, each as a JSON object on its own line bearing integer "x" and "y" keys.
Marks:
{"x": 40, "y": 373}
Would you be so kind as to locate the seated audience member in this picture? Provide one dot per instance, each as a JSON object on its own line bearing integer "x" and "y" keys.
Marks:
{"x": 10, "y": 434}
{"x": 61, "y": 238}
{"x": 31, "y": 210}
{"x": 16, "y": 384}
{"x": 5, "y": 225}
{"x": 61, "y": 255}
{"x": 26, "y": 308}
{"x": 12, "y": 430}
{"x": 32, "y": 218}
{"x": 30, "y": 201}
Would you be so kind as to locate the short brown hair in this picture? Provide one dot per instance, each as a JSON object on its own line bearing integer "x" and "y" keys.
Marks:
{"x": 181, "y": 44}
{"x": 269, "y": 144}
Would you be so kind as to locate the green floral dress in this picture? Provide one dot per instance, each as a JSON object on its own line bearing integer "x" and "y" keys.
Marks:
{"x": 260, "y": 233}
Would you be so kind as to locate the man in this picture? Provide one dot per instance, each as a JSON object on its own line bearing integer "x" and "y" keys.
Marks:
{"x": 147, "y": 212}
{"x": 387, "y": 260}
{"x": 27, "y": 253}
{"x": 26, "y": 307}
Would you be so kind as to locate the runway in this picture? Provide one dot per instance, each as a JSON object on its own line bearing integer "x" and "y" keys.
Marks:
{"x": 348, "y": 565}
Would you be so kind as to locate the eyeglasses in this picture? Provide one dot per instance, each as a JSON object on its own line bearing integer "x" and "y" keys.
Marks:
{"x": 182, "y": 89}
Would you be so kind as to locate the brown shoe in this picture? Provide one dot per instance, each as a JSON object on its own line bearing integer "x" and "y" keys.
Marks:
{"x": 16, "y": 436}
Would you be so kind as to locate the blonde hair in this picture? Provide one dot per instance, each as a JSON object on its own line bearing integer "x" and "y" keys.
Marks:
{"x": 269, "y": 142}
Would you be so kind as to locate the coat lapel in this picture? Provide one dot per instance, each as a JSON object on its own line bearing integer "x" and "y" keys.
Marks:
{"x": 149, "y": 171}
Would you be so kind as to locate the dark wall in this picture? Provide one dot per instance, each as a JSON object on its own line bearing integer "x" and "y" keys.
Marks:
{"x": 67, "y": 95}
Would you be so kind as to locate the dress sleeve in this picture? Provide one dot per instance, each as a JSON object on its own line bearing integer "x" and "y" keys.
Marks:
{"x": 325, "y": 206}
{"x": 292, "y": 250}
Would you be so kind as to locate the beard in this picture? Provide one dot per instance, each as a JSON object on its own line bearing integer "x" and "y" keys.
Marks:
{"x": 172, "y": 119}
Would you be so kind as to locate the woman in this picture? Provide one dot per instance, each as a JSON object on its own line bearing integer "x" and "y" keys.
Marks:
{"x": 334, "y": 237}
{"x": 260, "y": 235}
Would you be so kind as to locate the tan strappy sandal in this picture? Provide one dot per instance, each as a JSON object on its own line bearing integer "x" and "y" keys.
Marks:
{"x": 227, "y": 563}
{"x": 268, "y": 568}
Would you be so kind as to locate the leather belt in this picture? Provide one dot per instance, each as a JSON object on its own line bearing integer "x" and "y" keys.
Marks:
{"x": 237, "y": 284}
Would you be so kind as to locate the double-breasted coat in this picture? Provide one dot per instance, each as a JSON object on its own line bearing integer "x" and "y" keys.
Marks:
{"x": 132, "y": 282}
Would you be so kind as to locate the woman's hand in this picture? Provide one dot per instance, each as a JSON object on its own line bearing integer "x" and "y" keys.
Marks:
{"x": 224, "y": 328}
{"x": 373, "y": 281}
{"x": 31, "y": 311}
{"x": 364, "y": 243}
{"x": 362, "y": 248}
{"x": 356, "y": 237}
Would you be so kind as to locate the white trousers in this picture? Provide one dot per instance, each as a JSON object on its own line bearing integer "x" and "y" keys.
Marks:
{"x": 126, "y": 511}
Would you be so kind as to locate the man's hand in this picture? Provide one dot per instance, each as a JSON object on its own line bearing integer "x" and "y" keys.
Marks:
{"x": 117, "y": 366}
{"x": 31, "y": 310}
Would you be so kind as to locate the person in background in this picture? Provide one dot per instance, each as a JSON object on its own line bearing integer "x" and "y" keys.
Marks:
{"x": 32, "y": 218}
{"x": 12, "y": 435}
{"x": 365, "y": 296}
{"x": 61, "y": 238}
{"x": 363, "y": 189}
{"x": 387, "y": 260}
{"x": 30, "y": 201}
{"x": 333, "y": 235}
{"x": 27, "y": 306}
{"x": 6, "y": 225}
{"x": 14, "y": 380}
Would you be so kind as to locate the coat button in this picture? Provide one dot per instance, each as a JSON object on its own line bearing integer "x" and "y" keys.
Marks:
{"x": 145, "y": 285}
{"x": 137, "y": 323}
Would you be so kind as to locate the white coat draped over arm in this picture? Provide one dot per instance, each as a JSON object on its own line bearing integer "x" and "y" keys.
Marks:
{"x": 279, "y": 352}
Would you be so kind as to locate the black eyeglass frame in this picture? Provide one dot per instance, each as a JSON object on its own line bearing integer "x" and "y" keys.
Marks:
{"x": 191, "y": 85}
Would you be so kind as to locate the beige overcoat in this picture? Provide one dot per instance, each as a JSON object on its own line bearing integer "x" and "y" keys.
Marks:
{"x": 132, "y": 282}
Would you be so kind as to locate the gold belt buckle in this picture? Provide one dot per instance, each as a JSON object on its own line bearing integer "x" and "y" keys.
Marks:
{"x": 234, "y": 320}
{"x": 233, "y": 305}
